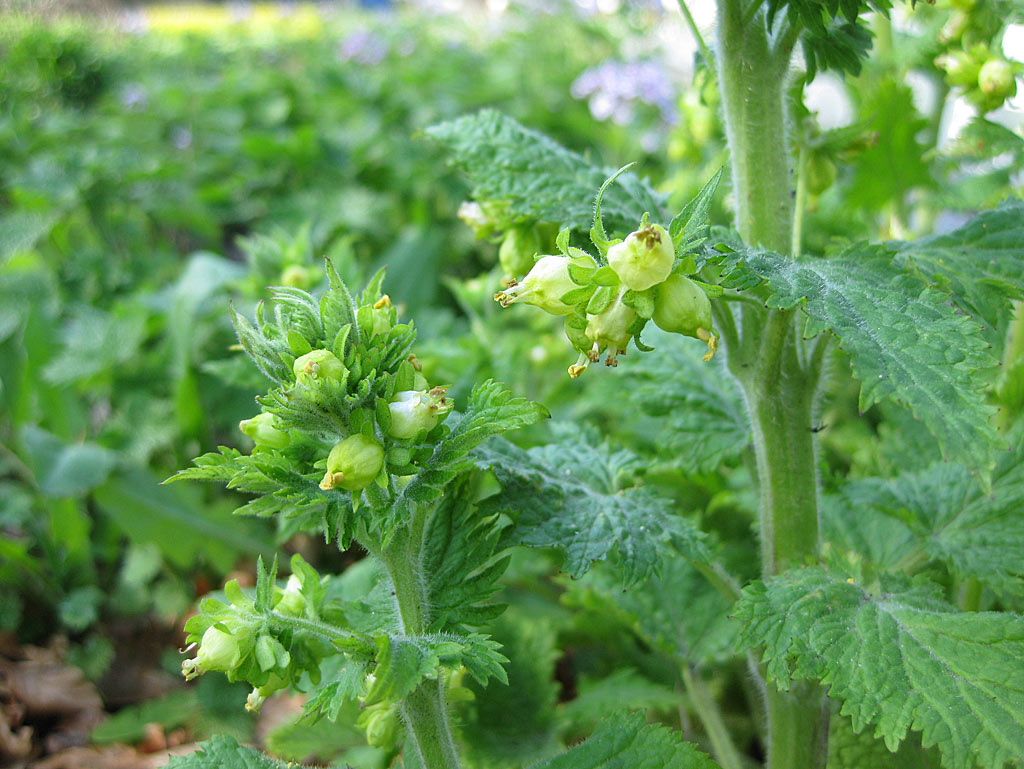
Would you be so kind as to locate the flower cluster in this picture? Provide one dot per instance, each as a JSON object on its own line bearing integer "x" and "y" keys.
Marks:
{"x": 608, "y": 304}
{"x": 267, "y": 645}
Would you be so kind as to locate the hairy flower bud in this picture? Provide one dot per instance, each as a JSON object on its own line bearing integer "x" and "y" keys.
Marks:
{"x": 353, "y": 463}
{"x": 682, "y": 307}
{"x": 318, "y": 364}
{"x": 291, "y": 603}
{"x": 545, "y": 284}
{"x": 415, "y": 410}
{"x": 644, "y": 258}
{"x": 261, "y": 428}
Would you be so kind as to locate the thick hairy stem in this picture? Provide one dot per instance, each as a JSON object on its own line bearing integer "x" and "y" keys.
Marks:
{"x": 779, "y": 389}
{"x": 425, "y": 710}
{"x": 752, "y": 81}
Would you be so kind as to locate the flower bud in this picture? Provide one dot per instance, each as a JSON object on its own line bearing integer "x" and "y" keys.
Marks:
{"x": 820, "y": 173}
{"x": 380, "y": 722}
{"x": 353, "y": 463}
{"x": 259, "y": 695}
{"x": 291, "y": 603}
{"x": 517, "y": 250}
{"x": 644, "y": 258}
{"x": 546, "y": 283}
{"x": 381, "y": 316}
{"x": 609, "y": 330}
{"x": 218, "y": 650}
{"x": 261, "y": 428}
{"x": 318, "y": 364}
{"x": 682, "y": 307}
{"x": 995, "y": 79}
{"x": 415, "y": 410}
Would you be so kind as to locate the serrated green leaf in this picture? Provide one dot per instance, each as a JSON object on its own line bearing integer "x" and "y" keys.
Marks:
{"x": 505, "y": 726}
{"x": 223, "y": 752}
{"x": 943, "y": 512}
{"x": 983, "y": 261}
{"x": 904, "y": 340}
{"x": 604, "y": 697}
{"x": 848, "y": 749}
{"x": 898, "y": 657}
{"x": 567, "y": 495}
{"x": 690, "y": 226}
{"x": 703, "y": 419}
{"x": 537, "y": 177}
{"x": 628, "y": 740}
{"x": 458, "y": 560}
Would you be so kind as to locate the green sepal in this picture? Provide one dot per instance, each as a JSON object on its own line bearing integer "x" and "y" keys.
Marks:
{"x": 687, "y": 265}
{"x": 562, "y": 240}
{"x": 577, "y": 295}
{"x": 340, "y": 347}
{"x": 383, "y": 414}
{"x": 298, "y": 343}
{"x": 576, "y": 331}
{"x": 579, "y": 274}
{"x": 606, "y": 277}
{"x": 640, "y": 345}
{"x": 637, "y": 326}
{"x": 713, "y": 291}
{"x": 689, "y": 227}
{"x": 405, "y": 377}
{"x": 597, "y": 232}
{"x": 364, "y": 317}
{"x": 600, "y": 300}
{"x": 641, "y": 301}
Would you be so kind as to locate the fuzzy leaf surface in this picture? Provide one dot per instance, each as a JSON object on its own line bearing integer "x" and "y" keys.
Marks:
{"x": 567, "y": 495}
{"x": 952, "y": 520}
{"x": 699, "y": 405}
{"x": 629, "y": 741}
{"x": 539, "y": 178}
{"x": 223, "y": 752}
{"x": 982, "y": 261}
{"x": 898, "y": 657}
{"x": 905, "y": 340}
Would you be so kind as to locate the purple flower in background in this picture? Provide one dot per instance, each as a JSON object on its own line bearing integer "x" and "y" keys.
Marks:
{"x": 363, "y": 47}
{"x": 614, "y": 87}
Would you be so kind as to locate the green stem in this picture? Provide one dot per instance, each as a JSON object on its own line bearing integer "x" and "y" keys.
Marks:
{"x": 425, "y": 710}
{"x": 800, "y": 204}
{"x": 706, "y": 707}
{"x": 778, "y": 380}
{"x": 752, "y": 81}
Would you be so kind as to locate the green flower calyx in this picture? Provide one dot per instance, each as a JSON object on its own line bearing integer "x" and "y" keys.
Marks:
{"x": 545, "y": 285}
{"x": 416, "y": 410}
{"x": 682, "y": 307}
{"x": 318, "y": 364}
{"x": 353, "y": 463}
{"x": 264, "y": 432}
{"x": 218, "y": 650}
{"x": 644, "y": 258}
{"x": 610, "y": 332}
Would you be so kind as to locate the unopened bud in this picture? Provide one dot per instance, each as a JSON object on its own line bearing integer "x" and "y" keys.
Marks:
{"x": 319, "y": 364}
{"x": 644, "y": 258}
{"x": 353, "y": 463}
{"x": 263, "y": 431}
{"x": 545, "y": 284}
{"x": 682, "y": 307}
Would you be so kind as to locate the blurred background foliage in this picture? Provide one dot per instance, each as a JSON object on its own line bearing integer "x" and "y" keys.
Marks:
{"x": 157, "y": 163}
